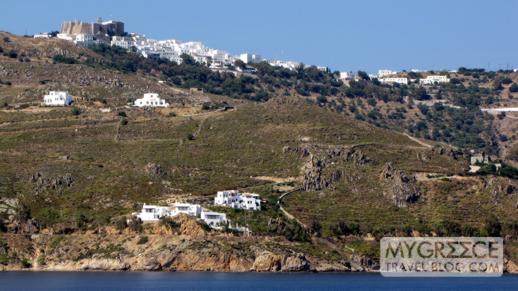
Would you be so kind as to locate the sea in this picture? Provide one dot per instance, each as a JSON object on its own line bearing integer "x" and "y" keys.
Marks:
{"x": 128, "y": 281}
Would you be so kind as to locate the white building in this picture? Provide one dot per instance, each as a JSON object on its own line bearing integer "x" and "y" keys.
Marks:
{"x": 250, "y": 58}
{"x": 384, "y": 72}
{"x": 151, "y": 100}
{"x": 186, "y": 208}
{"x": 250, "y": 201}
{"x": 152, "y": 213}
{"x": 213, "y": 219}
{"x": 84, "y": 39}
{"x": 125, "y": 42}
{"x": 290, "y": 65}
{"x": 346, "y": 76}
{"x": 391, "y": 80}
{"x": 42, "y": 35}
{"x": 238, "y": 200}
{"x": 65, "y": 36}
{"x": 432, "y": 79}
{"x": 57, "y": 98}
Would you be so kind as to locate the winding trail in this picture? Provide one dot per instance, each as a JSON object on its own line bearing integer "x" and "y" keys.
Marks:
{"x": 424, "y": 144}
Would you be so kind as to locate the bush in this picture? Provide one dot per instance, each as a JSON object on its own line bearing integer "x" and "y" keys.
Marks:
{"x": 75, "y": 111}
{"x": 316, "y": 228}
{"x": 122, "y": 114}
{"x": 25, "y": 263}
{"x": 493, "y": 226}
{"x": 12, "y": 54}
{"x": 143, "y": 240}
{"x": 64, "y": 60}
{"x": 135, "y": 224}
{"x": 121, "y": 223}
{"x": 169, "y": 222}
{"x": 514, "y": 88}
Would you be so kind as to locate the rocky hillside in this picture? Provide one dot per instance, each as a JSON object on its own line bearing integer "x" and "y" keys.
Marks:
{"x": 334, "y": 177}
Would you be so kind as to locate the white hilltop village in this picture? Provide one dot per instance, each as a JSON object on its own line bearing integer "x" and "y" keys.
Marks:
{"x": 112, "y": 33}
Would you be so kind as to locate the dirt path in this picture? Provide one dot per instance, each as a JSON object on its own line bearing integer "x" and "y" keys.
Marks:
{"x": 424, "y": 144}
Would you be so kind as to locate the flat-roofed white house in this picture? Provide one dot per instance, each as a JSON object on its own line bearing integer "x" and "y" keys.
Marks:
{"x": 432, "y": 79}
{"x": 186, "y": 208}
{"x": 250, "y": 201}
{"x": 151, "y": 100}
{"x": 57, "y": 98}
{"x": 152, "y": 213}
{"x": 392, "y": 80}
{"x": 384, "y": 72}
{"x": 213, "y": 219}
{"x": 238, "y": 200}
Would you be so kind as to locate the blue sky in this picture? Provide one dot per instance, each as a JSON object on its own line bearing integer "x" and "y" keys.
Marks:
{"x": 344, "y": 35}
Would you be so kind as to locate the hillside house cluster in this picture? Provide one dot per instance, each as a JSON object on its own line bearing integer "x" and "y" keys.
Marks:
{"x": 153, "y": 213}
{"x": 238, "y": 200}
{"x": 57, "y": 98}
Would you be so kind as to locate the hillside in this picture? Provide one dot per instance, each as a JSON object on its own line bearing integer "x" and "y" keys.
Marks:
{"x": 332, "y": 178}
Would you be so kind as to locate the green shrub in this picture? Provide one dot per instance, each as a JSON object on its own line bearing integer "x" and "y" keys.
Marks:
{"x": 75, "y": 111}
{"x": 143, "y": 240}
{"x": 25, "y": 263}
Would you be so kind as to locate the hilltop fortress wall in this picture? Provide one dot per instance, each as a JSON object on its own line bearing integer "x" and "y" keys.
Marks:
{"x": 78, "y": 27}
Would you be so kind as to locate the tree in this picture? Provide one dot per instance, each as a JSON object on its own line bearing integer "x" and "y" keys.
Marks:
{"x": 316, "y": 228}
{"x": 363, "y": 75}
{"x": 493, "y": 226}
{"x": 322, "y": 99}
{"x": 75, "y": 111}
{"x": 187, "y": 60}
{"x": 12, "y": 54}
{"x": 240, "y": 64}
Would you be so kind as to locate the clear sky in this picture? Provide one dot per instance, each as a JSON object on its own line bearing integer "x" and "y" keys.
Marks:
{"x": 344, "y": 35}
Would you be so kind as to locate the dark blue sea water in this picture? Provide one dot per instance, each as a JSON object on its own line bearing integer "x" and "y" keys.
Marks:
{"x": 79, "y": 281}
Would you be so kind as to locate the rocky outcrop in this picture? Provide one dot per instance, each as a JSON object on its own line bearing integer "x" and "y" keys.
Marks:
{"x": 401, "y": 188}
{"x": 267, "y": 261}
{"x": 321, "y": 171}
{"x": 59, "y": 183}
{"x": 154, "y": 170}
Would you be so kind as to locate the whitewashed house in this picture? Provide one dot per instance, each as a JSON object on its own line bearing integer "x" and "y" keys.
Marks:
{"x": 125, "y": 42}
{"x": 346, "y": 76}
{"x": 250, "y": 58}
{"x": 392, "y": 80}
{"x": 432, "y": 79}
{"x": 152, "y": 213}
{"x": 42, "y": 35}
{"x": 213, "y": 219}
{"x": 186, "y": 208}
{"x": 238, "y": 200}
{"x": 250, "y": 201}
{"x": 57, "y": 98}
{"x": 384, "y": 72}
{"x": 84, "y": 40}
{"x": 151, "y": 100}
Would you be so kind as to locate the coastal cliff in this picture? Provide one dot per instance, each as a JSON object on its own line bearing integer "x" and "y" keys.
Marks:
{"x": 160, "y": 252}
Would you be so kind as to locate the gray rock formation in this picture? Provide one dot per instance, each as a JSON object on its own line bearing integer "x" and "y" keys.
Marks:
{"x": 43, "y": 183}
{"x": 402, "y": 188}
